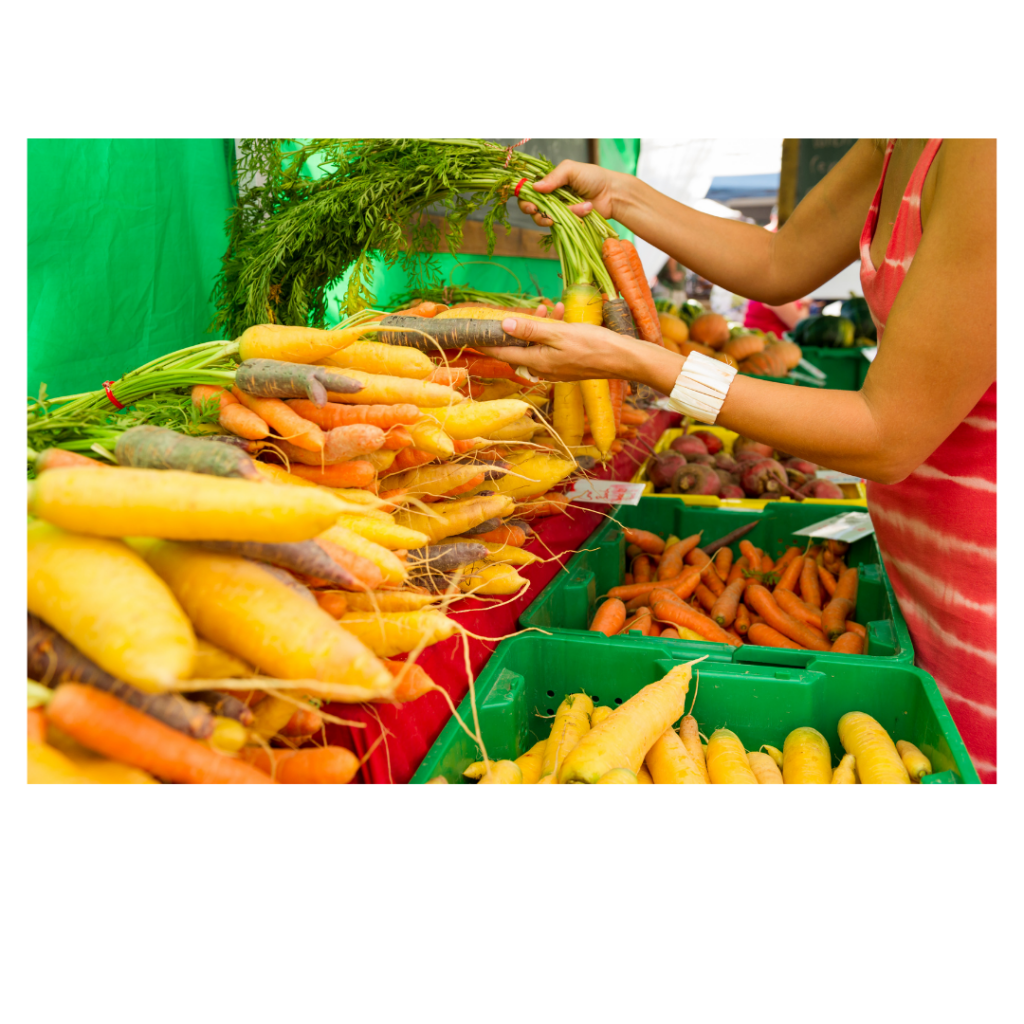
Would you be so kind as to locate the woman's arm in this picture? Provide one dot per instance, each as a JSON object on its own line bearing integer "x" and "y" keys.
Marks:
{"x": 791, "y": 313}
{"x": 937, "y": 359}
{"x": 819, "y": 240}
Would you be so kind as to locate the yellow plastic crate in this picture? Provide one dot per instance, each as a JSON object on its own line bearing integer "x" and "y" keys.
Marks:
{"x": 855, "y": 494}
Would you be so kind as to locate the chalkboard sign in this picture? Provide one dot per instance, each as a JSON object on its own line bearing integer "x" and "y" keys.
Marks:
{"x": 804, "y": 163}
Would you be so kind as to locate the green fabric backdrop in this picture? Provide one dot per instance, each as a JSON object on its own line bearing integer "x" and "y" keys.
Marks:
{"x": 125, "y": 238}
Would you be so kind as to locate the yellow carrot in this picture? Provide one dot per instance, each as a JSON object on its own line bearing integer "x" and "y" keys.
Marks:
{"x": 387, "y": 389}
{"x": 599, "y": 715}
{"x": 765, "y": 770}
{"x": 806, "y": 758}
{"x": 427, "y": 436}
{"x": 530, "y": 763}
{"x": 103, "y": 598}
{"x": 618, "y": 775}
{"x": 534, "y": 475}
{"x": 689, "y": 733}
{"x": 385, "y": 532}
{"x": 477, "y": 419}
{"x": 380, "y": 358}
{"x": 774, "y": 753}
{"x": 914, "y": 761}
{"x": 502, "y": 773}
{"x": 293, "y": 344}
{"x": 878, "y": 761}
{"x": 393, "y": 570}
{"x": 669, "y": 762}
{"x": 489, "y": 579}
{"x": 567, "y": 413}
{"x": 212, "y": 662}
{"x": 572, "y": 722}
{"x": 727, "y": 760}
{"x": 391, "y": 633}
{"x": 597, "y": 402}
{"x": 845, "y": 773}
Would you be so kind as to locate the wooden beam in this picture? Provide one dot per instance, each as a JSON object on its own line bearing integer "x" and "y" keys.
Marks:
{"x": 518, "y": 241}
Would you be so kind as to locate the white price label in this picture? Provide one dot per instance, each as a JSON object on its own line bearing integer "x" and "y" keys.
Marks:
{"x": 869, "y": 353}
{"x": 849, "y": 526}
{"x": 835, "y": 477}
{"x": 607, "y": 492}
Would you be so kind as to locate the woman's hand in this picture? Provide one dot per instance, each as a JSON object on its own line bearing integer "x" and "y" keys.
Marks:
{"x": 594, "y": 184}
{"x": 562, "y": 352}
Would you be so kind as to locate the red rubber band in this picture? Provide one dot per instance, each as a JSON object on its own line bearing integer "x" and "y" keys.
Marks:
{"x": 522, "y": 181}
{"x": 107, "y": 385}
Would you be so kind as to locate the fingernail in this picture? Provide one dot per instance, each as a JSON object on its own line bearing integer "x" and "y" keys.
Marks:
{"x": 508, "y": 325}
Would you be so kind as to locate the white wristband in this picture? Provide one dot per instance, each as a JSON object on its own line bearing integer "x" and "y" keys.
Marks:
{"x": 701, "y": 387}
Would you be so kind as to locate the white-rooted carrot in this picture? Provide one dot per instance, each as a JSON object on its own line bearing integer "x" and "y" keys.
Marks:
{"x": 181, "y": 506}
{"x": 103, "y": 598}
{"x": 623, "y": 739}
{"x": 502, "y": 773}
{"x": 247, "y": 611}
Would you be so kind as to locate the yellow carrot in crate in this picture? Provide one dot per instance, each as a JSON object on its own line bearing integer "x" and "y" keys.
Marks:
{"x": 878, "y": 760}
{"x": 531, "y": 762}
{"x": 643, "y": 776}
{"x": 623, "y": 739}
{"x": 571, "y": 724}
{"x": 393, "y": 570}
{"x": 181, "y": 506}
{"x": 567, "y": 413}
{"x": 765, "y": 770}
{"x": 774, "y": 753}
{"x": 599, "y": 715}
{"x": 597, "y": 402}
{"x": 386, "y": 389}
{"x": 845, "y": 771}
{"x": 477, "y": 419}
{"x": 534, "y": 475}
{"x": 507, "y": 553}
{"x": 391, "y": 633}
{"x": 806, "y": 758}
{"x": 103, "y": 598}
{"x": 502, "y": 773}
{"x": 293, "y": 344}
{"x": 914, "y": 761}
{"x": 377, "y": 357}
{"x": 247, "y": 611}
{"x": 727, "y": 760}
{"x": 489, "y": 580}
{"x": 689, "y": 733}
{"x": 669, "y": 762}
{"x": 618, "y": 776}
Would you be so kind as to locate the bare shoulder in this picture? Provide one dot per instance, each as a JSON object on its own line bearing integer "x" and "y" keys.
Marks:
{"x": 965, "y": 183}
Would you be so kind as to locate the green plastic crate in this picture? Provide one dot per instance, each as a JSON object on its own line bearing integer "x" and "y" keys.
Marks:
{"x": 570, "y": 599}
{"x": 527, "y": 677}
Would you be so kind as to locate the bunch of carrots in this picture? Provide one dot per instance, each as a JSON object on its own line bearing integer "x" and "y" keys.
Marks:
{"x": 649, "y": 739}
{"x": 804, "y": 600}
{"x": 356, "y": 488}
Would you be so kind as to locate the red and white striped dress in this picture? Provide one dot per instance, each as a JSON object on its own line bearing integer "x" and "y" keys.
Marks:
{"x": 937, "y": 528}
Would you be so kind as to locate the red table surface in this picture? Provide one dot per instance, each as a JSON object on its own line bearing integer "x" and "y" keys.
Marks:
{"x": 412, "y": 728}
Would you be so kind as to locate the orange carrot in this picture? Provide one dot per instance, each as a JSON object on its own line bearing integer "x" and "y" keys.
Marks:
{"x": 642, "y": 569}
{"x": 628, "y": 579}
{"x": 736, "y": 572}
{"x": 646, "y": 541}
{"x": 786, "y": 558}
{"x": 856, "y": 627}
{"x": 797, "y": 607}
{"x": 305, "y": 722}
{"x": 243, "y": 422}
{"x": 828, "y": 581}
{"x": 411, "y": 458}
{"x": 609, "y": 618}
{"x": 848, "y": 643}
{"x": 762, "y": 602}
{"x": 690, "y": 618}
{"x": 749, "y": 552}
{"x": 723, "y": 562}
{"x": 724, "y": 610}
{"x": 810, "y": 588}
{"x": 334, "y": 765}
{"x": 37, "y": 725}
{"x": 285, "y": 420}
{"x": 363, "y": 569}
{"x": 705, "y": 597}
{"x": 514, "y": 536}
{"x": 671, "y": 564}
{"x": 766, "y": 564}
{"x": 642, "y": 621}
{"x": 397, "y": 438}
{"x": 616, "y": 391}
{"x": 469, "y": 485}
{"x": 789, "y": 578}
{"x": 632, "y": 590}
{"x": 354, "y": 473}
{"x": 332, "y": 602}
{"x": 842, "y": 605}
{"x": 452, "y": 376}
{"x": 742, "y": 620}
{"x": 107, "y": 725}
{"x": 549, "y": 504}
{"x": 204, "y": 393}
{"x": 59, "y": 458}
{"x": 709, "y": 576}
{"x": 334, "y": 414}
{"x": 414, "y": 681}
{"x": 764, "y": 636}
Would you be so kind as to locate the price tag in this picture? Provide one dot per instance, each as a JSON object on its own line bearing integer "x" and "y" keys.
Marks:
{"x": 607, "y": 492}
{"x": 849, "y": 526}
{"x": 869, "y": 353}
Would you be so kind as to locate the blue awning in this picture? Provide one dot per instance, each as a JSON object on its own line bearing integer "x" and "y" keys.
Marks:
{"x": 743, "y": 186}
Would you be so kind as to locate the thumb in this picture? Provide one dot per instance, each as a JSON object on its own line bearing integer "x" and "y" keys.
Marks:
{"x": 554, "y": 179}
{"x": 534, "y": 331}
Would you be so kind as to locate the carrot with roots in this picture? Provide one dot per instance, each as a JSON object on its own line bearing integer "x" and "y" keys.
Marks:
{"x": 618, "y": 262}
{"x": 59, "y": 458}
{"x": 765, "y": 770}
{"x": 293, "y": 344}
{"x": 149, "y": 447}
{"x": 110, "y": 727}
{"x": 845, "y": 771}
{"x": 354, "y": 473}
{"x": 289, "y": 424}
{"x": 378, "y": 357}
{"x": 645, "y": 540}
{"x": 571, "y": 724}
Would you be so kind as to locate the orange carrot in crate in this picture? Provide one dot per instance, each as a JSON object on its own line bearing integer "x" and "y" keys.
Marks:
{"x": 791, "y": 575}
{"x": 368, "y": 574}
{"x": 334, "y": 414}
{"x": 671, "y": 564}
{"x": 848, "y": 643}
{"x": 705, "y": 597}
{"x": 305, "y": 722}
{"x": 767, "y": 565}
{"x": 355, "y": 473}
{"x": 761, "y": 601}
{"x": 709, "y": 576}
{"x": 810, "y": 587}
{"x": 632, "y": 416}
{"x": 749, "y": 552}
{"x": 629, "y": 591}
{"x": 763, "y": 635}
{"x": 288, "y": 423}
{"x": 736, "y": 572}
{"x": 609, "y": 618}
{"x": 670, "y": 633}
{"x": 786, "y": 558}
{"x": 742, "y": 621}
{"x": 856, "y": 627}
{"x": 642, "y": 569}
{"x": 324, "y": 765}
{"x": 842, "y": 605}
{"x": 690, "y": 618}
{"x": 645, "y": 540}
{"x": 723, "y": 562}
{"x": 642, "y": 621}
{"x": 797, "y": 607}
{"x": 110, "y": 727}
{"x": 827, "y": 580}
{"x": 727, "y": 604}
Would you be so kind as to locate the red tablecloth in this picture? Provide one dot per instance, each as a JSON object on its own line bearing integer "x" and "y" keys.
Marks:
{"x": 412, "y": 728}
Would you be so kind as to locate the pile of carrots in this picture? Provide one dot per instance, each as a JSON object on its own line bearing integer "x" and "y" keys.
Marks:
{"x": 804, "y": 600}
{"x": 648, "y": 739}
{"x": 192, "y": 608}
